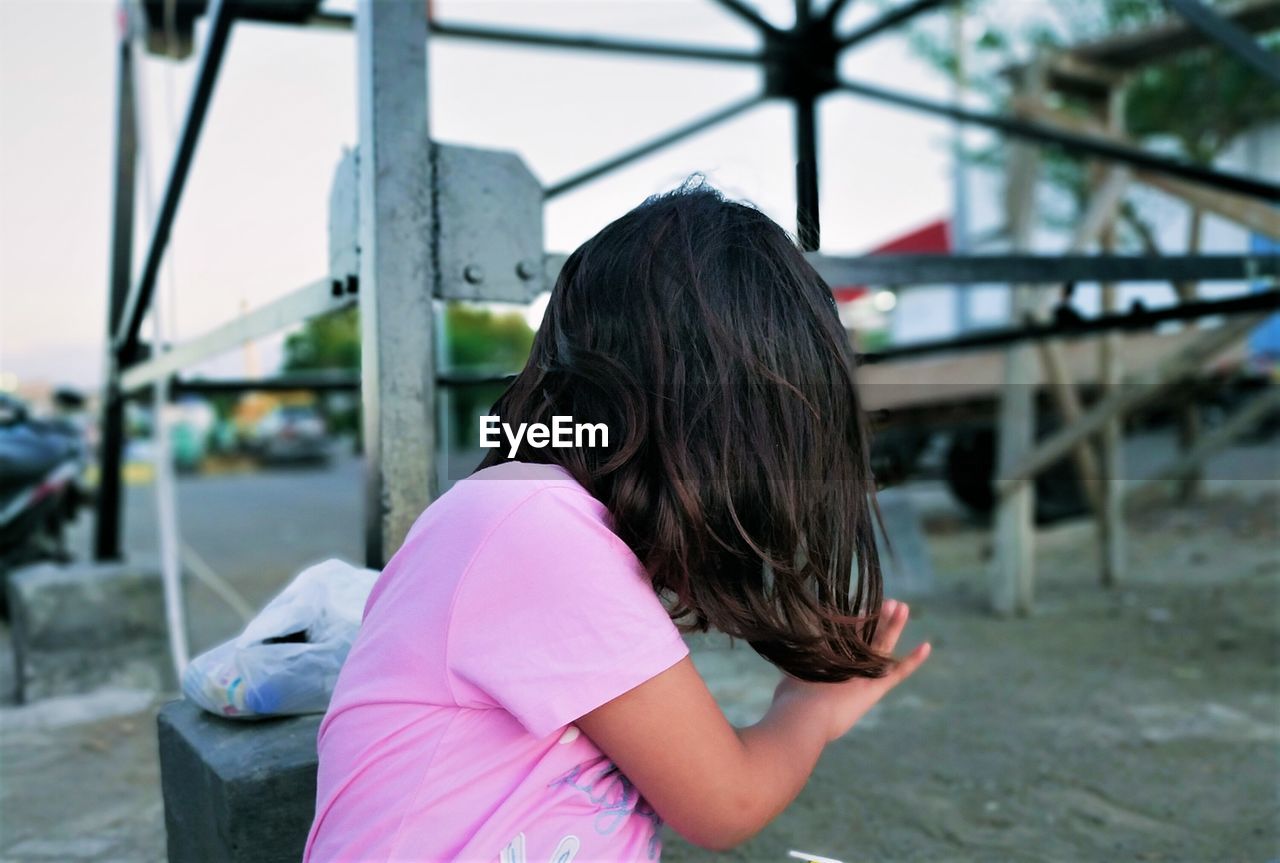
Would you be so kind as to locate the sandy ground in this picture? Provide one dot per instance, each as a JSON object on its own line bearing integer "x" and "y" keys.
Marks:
{"x": 1140, "y": 723}
{"x": 1137, "y": 723}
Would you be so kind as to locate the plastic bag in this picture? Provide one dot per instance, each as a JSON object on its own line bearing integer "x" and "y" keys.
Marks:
{"x": 288, "y": 657}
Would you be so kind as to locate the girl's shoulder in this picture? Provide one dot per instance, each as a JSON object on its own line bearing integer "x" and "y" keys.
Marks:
{"x": 522, "y": 484}
{"x": 509, "y": 492}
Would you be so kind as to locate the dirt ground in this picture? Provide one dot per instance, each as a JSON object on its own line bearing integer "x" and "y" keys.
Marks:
{"x": 1136, "y": 723}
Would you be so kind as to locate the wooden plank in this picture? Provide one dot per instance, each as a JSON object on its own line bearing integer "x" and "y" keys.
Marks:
{"x": 1132, "y": 396}
{"x": 1189, "y": 418}
{"x": 1241, "y": 422}
{"x": 1067, "y": 401}
{"x": 1110, "y": 515}
{"x": 1013, "y": 563}
{"x": 1096, "y": 220}
{"x": 295, "y": 307}
{"x": 1173, "y": 36}
{"x": 1112, "y": 532}
{"x": 953, "y": 379}
{"x": 1250, "y": 213}
{"x": 1091, "y": 69}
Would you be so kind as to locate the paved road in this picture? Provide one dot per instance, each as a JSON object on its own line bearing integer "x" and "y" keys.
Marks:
{"x": 257, "y": 529}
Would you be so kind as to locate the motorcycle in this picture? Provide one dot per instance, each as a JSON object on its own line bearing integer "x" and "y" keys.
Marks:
{"x": 41, "y": 466}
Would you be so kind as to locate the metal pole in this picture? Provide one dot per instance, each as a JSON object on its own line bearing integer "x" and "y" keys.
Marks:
{"x": 596, "y": 43}
{"x": 888, "y": 21}
{"x": 931, "y": 269}
{"x": 833, "y": 12}
{"x": 221, "y": 17}
{"x": 398, "y": 271}
{"x": 1072, "y": 142}
{"x": 1236, "y": 40}
{"x": 808, "y": 221}
{"x": 747, "y": 14}
{"x": 652, "y": 146}
{"x": 1107, "y": 322}
{"x": 808, "y": 225}
{"x": 107, "y": 526}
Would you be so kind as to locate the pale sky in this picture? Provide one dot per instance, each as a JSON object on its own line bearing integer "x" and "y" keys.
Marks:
{"x": 252, "y": 223}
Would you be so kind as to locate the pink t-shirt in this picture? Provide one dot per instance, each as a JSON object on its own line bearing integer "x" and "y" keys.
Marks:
{"x": 510, "y": 611}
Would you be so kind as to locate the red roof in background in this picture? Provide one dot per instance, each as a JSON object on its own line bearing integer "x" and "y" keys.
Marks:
{"x": 931, "y": 239}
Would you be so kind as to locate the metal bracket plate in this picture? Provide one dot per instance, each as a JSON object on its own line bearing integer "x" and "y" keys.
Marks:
{"x": 488, "y": 213}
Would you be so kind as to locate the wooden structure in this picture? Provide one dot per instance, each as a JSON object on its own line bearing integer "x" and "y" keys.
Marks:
{"x": 1097, "y": 74}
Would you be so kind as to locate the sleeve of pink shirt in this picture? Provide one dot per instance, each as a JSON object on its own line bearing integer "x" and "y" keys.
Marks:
{"x": 555, "y": 616}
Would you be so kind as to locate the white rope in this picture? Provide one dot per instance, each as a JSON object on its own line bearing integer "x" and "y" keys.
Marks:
{"x": 206, "y": 575}
{"x": 166, "y": 498}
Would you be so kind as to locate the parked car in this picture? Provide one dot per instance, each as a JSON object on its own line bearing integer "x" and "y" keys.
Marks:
{"x": 291, "y": 433}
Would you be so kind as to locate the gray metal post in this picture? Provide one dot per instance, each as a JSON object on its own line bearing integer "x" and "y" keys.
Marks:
{"x": 107, "y": 525}
{"x": 398, "y": 271}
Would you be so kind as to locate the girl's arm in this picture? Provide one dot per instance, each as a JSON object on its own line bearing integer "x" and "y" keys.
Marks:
{"x": 716, "y": 785}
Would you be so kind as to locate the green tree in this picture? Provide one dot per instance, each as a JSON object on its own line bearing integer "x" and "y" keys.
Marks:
{"x": 478, "y": 340}
{"x": 1200, "y": 100}
{"x": 327, "y": 343}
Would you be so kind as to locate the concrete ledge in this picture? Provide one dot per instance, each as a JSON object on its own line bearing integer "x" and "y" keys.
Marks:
{"x": 83, "y": 626}
{"x": 236, "y": 791}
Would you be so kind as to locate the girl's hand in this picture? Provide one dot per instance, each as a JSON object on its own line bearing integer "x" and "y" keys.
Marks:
{"x": 717, "y": 785}
{"x": 843, "y": 704}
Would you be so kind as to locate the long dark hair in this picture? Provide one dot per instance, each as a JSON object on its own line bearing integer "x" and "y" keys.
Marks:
{"x": 737, "y": 468}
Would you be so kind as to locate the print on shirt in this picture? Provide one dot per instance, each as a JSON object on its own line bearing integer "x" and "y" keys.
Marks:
{"x": 564, "y": 853}
{"x": 617, "y": 798}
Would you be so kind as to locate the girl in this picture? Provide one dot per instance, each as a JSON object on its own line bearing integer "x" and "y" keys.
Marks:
{"x": 519, "y": 691}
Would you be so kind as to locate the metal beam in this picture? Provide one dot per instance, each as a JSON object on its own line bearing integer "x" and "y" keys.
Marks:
{"x": 318, "y": 382}
{"x": 107, "y": 522}
{"x": 653, "y": 145}
{"x": 1008, "y": 269}
{"x": 337, "y": 381}
{"x": 808, "y": 218}
{"x": 888, "y": 21}
{"x": 307, "y": 302}
{"x": 1134, "y": 321}
{"x": 1250, "y": 213}
{"x": 1036, "y": 269}
{"x": 399, "y": 272}
{"x": 833, "y": 11}
{"x": 747, "y": 14}
{"x": 220, "y": 20}
{"x": 596, "y": 43}
{"x": 480, "y": 33}
{"x": 1090, "y": 145}
{"x": 1227, "y": 34}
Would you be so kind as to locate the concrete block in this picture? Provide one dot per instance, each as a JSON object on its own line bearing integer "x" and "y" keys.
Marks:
{"x": 236, "y": 791}
{"x": 83, "y": 626}
{"x": 904, "y": 561}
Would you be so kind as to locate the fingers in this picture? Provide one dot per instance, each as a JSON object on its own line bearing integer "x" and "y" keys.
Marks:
{"x": 894, "y": 615}
{"x": 908, "y": 664}
{"x": 893, "y": 618}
